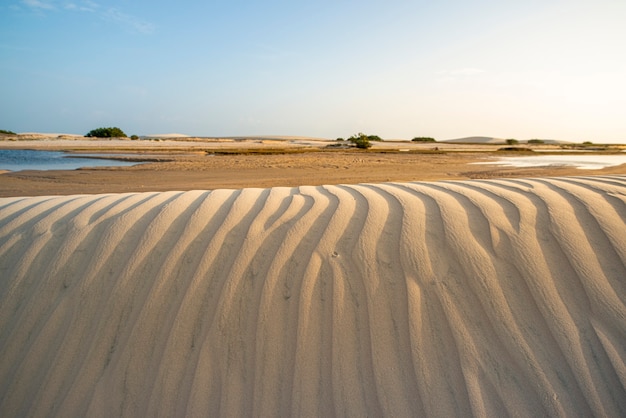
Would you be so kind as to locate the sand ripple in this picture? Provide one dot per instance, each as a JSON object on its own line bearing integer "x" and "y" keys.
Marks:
{"x": 485, "y": 298}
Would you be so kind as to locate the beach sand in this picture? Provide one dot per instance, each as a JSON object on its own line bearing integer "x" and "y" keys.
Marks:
{"x": 444, "y": 298}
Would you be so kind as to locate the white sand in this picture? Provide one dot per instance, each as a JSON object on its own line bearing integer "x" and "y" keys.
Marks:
{"x": 485, "y": 298}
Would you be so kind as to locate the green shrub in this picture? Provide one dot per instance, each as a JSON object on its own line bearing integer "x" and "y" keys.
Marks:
{"x": 360, "y": 140}
{"x": 2, "y": 131}
{"x": 423, "y": 139}
{"x": 512, "y": 141}
{"x": 113, "y": 132}
{"x": 536, "y": 141}
{"x": 515, "y": 149}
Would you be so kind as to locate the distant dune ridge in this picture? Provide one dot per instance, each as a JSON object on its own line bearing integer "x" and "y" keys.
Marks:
{"x": 492, "y": 140}
{"x": 478, "y": 140}
{"x": 481, "y": 298}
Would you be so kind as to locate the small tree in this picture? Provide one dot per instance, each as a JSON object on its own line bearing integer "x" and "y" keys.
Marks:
{"x": 113, "y": 132}
{"x": 2, "y": 131}
{"x": 423, "y": 139}
{"x": 536, "y": 141}
{"x": 512, "y": 141}
{"x": 360, "y": 140}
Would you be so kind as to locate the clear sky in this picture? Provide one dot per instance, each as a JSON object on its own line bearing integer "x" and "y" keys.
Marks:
{"x": 526, "y": 69}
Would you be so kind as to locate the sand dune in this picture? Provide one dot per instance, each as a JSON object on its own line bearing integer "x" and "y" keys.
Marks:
{"x": 478, "y": 140}
{"x": 485, "y": 298}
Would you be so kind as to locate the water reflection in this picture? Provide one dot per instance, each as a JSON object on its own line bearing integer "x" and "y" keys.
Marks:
{"x": 18, "y": 160}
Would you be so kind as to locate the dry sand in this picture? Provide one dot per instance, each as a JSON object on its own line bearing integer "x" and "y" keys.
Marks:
{"x": 477, "y": 297}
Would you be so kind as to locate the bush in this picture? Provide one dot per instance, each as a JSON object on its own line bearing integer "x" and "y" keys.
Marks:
{"x": 2, "y": 131}
{"x": 106, "y": 133}
{"x": 516, "y": 149}
{"x": 134, "y": 137}
{"x": 423, "y": 139}
{"x": 536, "y": 141}
{"x": 512, "y": 141}
{"x": 360, "y": 140}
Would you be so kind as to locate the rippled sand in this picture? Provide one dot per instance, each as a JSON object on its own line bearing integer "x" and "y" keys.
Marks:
{"x": 486, "y": 298}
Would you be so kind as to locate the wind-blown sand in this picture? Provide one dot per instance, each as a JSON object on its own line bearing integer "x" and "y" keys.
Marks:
{"x": 485, "y": 298}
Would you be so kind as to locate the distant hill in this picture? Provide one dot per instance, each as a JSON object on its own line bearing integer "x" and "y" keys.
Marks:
{"x": 493, "y": 140}
{"x": 37, "y": 135}
{"x": 553, "y": 141}
{"x": 478, "y": 140}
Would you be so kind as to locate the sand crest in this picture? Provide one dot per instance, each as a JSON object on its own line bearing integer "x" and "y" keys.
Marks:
{"x": 484, "y": 298}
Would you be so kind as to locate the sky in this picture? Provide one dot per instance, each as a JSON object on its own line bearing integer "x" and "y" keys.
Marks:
{"x": 548, "y": 69}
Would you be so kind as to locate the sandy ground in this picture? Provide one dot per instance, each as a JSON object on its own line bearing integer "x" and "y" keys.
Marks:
{"x": 459, "y": 298}
{"x": 341, "y": 283}
{"x": 193, "y": 165}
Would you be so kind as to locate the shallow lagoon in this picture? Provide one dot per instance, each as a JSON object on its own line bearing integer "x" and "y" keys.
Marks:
{"x": 583, "y": 162}
{"x": 18, "y": 160}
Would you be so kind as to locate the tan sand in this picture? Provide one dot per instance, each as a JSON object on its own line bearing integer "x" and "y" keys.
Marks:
{"x": 209, "y": 163}
{"x": 198, "y": 171}
{"x": 485, "y": 298}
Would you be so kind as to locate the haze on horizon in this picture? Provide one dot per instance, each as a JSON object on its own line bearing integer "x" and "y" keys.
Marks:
{"x": 536, "y": 69}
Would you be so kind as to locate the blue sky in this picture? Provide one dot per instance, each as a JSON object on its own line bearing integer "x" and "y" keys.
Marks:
{"x": 398, "y": 69}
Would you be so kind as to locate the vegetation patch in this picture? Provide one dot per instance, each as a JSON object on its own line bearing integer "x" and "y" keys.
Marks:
{"x": 516, "y": 149}
{"x": 257, "y": 151}
{"x": 112, "y": 132}
{"x": 361, "y": 140}
{"x": 412, "y": 151}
